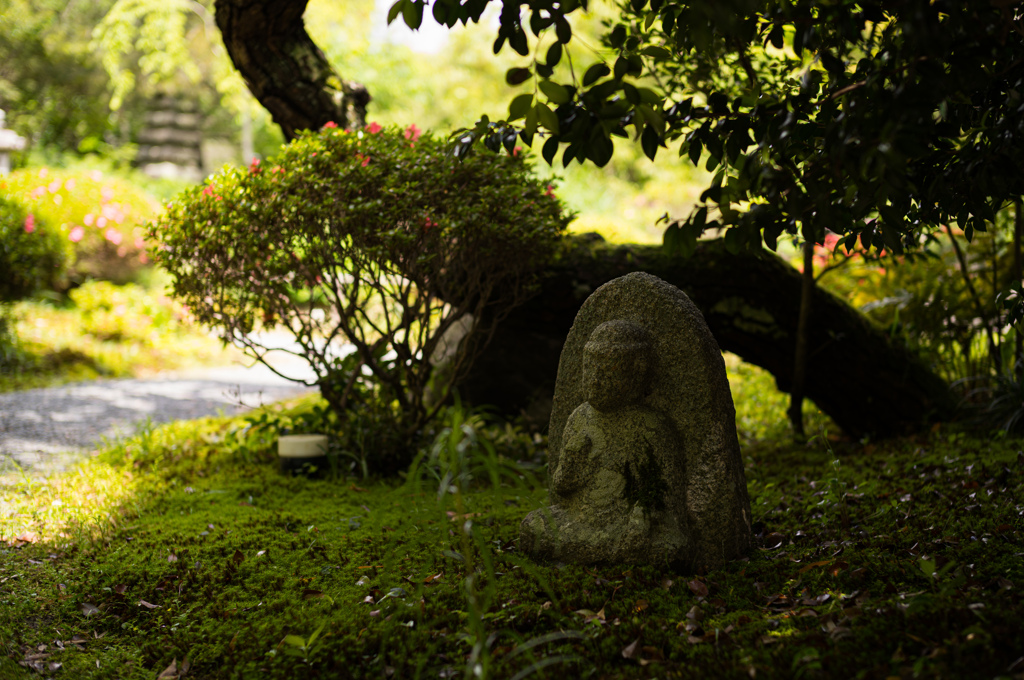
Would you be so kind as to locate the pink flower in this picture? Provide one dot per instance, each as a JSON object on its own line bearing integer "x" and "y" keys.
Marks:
{"x": 113, "y": 235}
{"x": 30, "y": 223}
{"x": 412, "y": 133}
{"x": 517, "y": 150}
{"x": 373, "y": 128}
{"x": 208, "y": 191}
{"x": 55, "y": 186}
{"x": 254, "y": 167}
{"x": 550, "y": 192}
{"x": 89, "y": 219}
{"x": 366, "y": 161}
{"x": 107, "y": 194}
{"x": 76, "y": 234}
{"x": 101, "y": 222}
{"x": 143, "y": 258}
{"x": 330, "y": 124}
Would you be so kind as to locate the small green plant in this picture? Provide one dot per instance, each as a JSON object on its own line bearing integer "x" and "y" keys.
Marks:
{"x": 299, "y": 646}
{"x": 386, "y": 259}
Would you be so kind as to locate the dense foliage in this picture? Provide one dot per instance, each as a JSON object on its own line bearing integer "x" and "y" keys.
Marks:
{"x": 875, "y": 120}
{"x": 33, "y": 254}
{"x": 375, "y": 250}
{"x": 100, "y": 216}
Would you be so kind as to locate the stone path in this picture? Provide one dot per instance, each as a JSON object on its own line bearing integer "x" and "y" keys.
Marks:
{"x": 45, "y": 430}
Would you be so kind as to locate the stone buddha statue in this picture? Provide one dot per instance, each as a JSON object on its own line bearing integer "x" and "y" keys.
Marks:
{"x": 617, "y": 488}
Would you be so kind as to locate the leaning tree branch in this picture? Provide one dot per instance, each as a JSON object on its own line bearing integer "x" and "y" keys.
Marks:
{"x": 283, "y": 67}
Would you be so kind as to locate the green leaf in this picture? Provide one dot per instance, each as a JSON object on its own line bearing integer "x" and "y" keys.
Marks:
{"x": 294, "y": 641}
{"x": 546, "y": 117}
{"x": 656, "y": 52}
{"x": 649, "y": 141}
{"x": 412, "y": 12}
{"x": 549, "y": 150}
{"x": 517, "y": 76}
{"x": 530, "y": 124}
{"x": 595, "y": 73}
{"x": 440, "y": 12}
{"x": 695, "y": 150}
{"x": 395, "y": 10}
{"x": 563, "y": 31}
{"x": 555, "y": 92}
{"x": 520, "y": 106}
{"x": 554, "y": 54}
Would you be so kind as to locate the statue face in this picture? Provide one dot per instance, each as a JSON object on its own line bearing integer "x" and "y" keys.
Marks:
{"x": 613, "y": 377}
{"x": 616, "y": 360}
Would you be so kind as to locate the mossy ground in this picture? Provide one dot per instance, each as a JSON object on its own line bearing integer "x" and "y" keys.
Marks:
{"x": 898, "y": 558}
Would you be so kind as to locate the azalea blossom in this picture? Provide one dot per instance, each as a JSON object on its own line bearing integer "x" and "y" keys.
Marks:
{"x": 373, "y": 128}
{"x": 412, "y": 133}
{"x": 30, "y": 223}
{"x": 330, "y": 124}
{"x": 76, "y": 234}
{"x": 113, "y": 235}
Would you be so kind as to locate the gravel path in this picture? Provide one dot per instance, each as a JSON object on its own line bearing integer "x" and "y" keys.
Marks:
{"x": 45, "y": 430}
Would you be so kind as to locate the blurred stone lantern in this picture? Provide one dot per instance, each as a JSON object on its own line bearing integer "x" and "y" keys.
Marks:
{"x": 9, "y": 141}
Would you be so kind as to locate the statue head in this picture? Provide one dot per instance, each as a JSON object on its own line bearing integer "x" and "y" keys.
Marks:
{"x": 617, "y": 362}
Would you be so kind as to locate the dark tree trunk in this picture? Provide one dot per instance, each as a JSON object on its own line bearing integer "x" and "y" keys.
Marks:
{"x": 284, "y": 69}
{"x": 855, "y": 374}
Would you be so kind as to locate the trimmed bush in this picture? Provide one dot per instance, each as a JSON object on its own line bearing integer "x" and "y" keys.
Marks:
{"x": 377, "y": 251}
{"x": 33, "y": 255}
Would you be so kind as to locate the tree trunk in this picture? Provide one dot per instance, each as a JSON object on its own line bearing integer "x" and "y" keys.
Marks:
{"x": 855, "y": 373}
{"x": 284, "y": 69}
{"x": 796, "y": 392}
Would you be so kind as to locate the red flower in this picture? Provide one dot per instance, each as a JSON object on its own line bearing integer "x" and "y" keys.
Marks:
{"x": 208, "y": 191}
{"x": 330, "y": 124}
{"x": 366, "y": 161}
{"x": 412, "y": 133}
{"x": 30, "y": 223}
{"x": 373, "y": 128}
{"x": 550, "y": 193}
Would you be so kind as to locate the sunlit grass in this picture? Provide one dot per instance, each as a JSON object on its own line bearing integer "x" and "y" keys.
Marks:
{"x": 106, "y": 331}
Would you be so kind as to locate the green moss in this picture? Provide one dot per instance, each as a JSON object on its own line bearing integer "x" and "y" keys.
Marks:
{"x": 646, "y": 486}
{"x": 919, "y": 575}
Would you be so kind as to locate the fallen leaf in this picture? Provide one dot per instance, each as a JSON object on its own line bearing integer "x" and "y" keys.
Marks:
{"x": 261, "y": 552}
{"x": 90, "y": 609}
{"x": 698, "y": 588}
{"x": 79, "y": 639}
{"x": 310, "y": 593}
{"x": 169, "y": 673}
{"x": 357, "y": 488}
{"x": 172, "y": 558}
{"x": 630, "y": 650}
{"x": 120, "y": 588}
{"x": 237, "y": 557}
{"x": 640, "y": 605}
{"x": 812, "y": 565}
{"x": 148, "y": 605}
{"x": 666, "y": 583}
{"x": 773, "y": 540}
{"x": 695, "y": 613}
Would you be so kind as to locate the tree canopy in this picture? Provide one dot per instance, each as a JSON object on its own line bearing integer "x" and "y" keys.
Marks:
{"x": 875, "y": 120}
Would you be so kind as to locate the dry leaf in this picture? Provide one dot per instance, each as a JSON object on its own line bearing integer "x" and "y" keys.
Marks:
{"x": 237, "y": 557}
{"x": 698, "y": 588}
{"x": 148, "y": 605}
{"x": 310, "y": 593}
{"x": 90, "y": 609}
{"x": 169, "y": 673}
{"x": 120, "y": 588}
{"x": 630, "y": 650}
{"x": 172, "y": 558}
{"x": 640, "y": 605}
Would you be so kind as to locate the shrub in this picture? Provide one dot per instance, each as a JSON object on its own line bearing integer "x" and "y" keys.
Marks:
{"x": 374, "y": 243}
{"x": 101, "y": 217}
{"x": 33, "y": 256}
